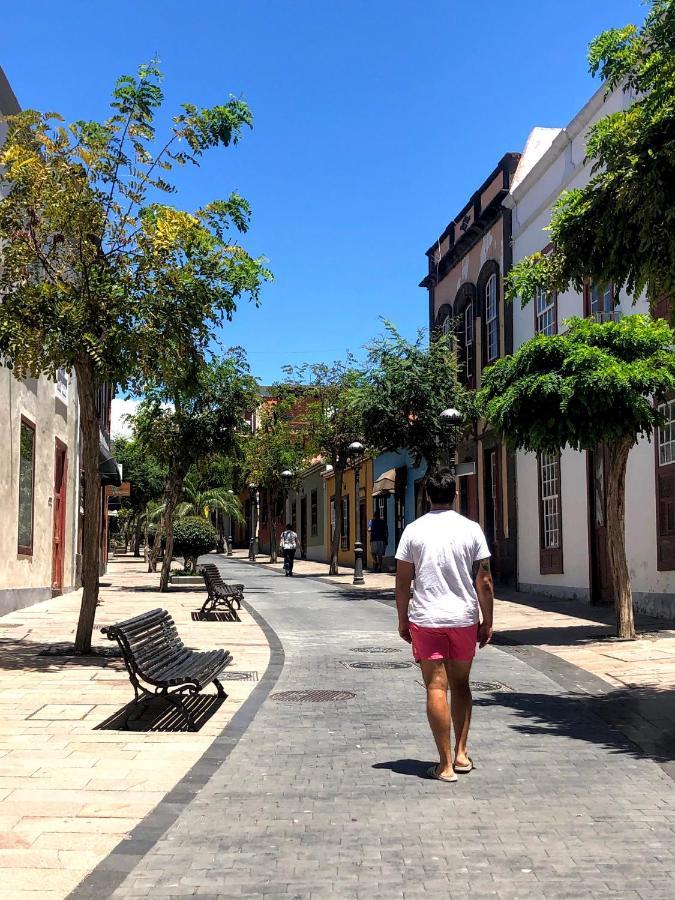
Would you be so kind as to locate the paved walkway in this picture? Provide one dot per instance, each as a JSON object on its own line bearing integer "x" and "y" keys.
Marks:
{"x": 72, "y": 784}
{"x": 328, "y": 799}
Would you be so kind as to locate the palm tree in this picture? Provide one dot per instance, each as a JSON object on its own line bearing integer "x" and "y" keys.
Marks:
{"x": 202, "y": 501}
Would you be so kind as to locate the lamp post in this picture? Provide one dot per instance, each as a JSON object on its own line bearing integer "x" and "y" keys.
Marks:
{"x": 253, "y": 544}
{"x": 229, "y": 530}
{"x": 286, "y": 478}
{"x": 451, "y": 420}
{"x": 356, "y": 451}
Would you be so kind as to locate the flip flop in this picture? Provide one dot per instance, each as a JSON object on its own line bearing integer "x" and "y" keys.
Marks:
{"x": 465, "y": 769}
{"x": 432, "y": 772}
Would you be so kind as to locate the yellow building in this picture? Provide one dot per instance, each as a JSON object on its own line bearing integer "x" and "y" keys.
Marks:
{"x": 349, "y": 508}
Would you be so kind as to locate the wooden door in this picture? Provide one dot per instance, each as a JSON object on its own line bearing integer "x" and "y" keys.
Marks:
{"x": 601, "y": 581}
{"x": 59, "y": 510}
{"x": 303, "y": 528}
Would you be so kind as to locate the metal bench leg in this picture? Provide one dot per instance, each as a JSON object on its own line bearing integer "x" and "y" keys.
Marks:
{"x": 220, "y": 689}
{"x": 175, "y": 701}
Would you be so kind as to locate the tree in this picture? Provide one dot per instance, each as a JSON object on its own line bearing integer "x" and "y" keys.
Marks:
{"x": 201, "y": 500}
{"x": 193, "y": 536}
{"x": 98, "y": 280}
{"x": 331, "y": 418}
{"x": 618, "y": 229}
{"x": 407, "y": 387}
{"x": 276, "y": 447}
{"x": 594, "y": 384}
{"x": 195, "y": 416}
{"x": 146, "y": 477}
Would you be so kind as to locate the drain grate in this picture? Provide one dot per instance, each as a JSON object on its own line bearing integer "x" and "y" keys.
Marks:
{"x": 376, "y": 649}
{"x": 314, "y": 696}
{"x": 379, "y": 665}
{"x": 238, "y": 676}
{"x": 487, "y": 687}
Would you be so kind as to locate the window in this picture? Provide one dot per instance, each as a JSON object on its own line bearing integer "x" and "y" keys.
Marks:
{"x": 26, "y": 487}
{"x": 468, "y": 338}
{"x": 667, "y": 434}
{"x": 446, "y": 327}
{"x": 599, "y": 302}
{"x": 491, "y": 320}
{"x": 314, "y": 513}
{"x": 545, "y": 313}
{"x": 550, "y": 518}
{"x": 344, "y": 537}
{"x": 61, "y": 386}
{"x": 665, "y": 489}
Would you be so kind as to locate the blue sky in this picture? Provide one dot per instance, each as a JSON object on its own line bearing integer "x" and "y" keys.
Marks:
{"x": 374, "y": 122}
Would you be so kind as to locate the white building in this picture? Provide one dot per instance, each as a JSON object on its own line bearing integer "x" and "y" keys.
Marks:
{"x": 561, "y": 500}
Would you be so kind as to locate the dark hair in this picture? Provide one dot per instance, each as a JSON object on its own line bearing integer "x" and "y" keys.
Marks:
{"x": 376, "y": 513}
{"x": 441, "y": 486}
{"x": 289, "y": 527}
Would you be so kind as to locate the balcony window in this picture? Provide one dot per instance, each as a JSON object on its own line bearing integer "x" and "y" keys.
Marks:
{"x": 545, "y": 313}
{"x": 491, "y": 320}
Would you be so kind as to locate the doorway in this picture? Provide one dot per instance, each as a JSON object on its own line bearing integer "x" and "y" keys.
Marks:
{"x": 602, "y": 591}
{"x": 363, "y": 514}
{"x": 59, "y": 511}
{"x": 303, "y": 527}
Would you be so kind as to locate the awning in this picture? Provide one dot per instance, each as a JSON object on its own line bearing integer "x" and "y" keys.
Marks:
{"x": 385, "y": 484}
{"x": 107, "y": 466}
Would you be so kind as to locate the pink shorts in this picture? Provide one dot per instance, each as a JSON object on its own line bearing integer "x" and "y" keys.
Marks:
{"x": 444, "y": 643}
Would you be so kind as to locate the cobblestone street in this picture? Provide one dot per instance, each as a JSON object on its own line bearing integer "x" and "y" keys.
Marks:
{"x": 328, "y": 799}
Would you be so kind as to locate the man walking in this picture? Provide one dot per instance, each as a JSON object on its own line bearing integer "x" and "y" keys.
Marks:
{"x": 448, "y": 557}
{"x": 378, "y": 540}
{"x": 289, "y": 544}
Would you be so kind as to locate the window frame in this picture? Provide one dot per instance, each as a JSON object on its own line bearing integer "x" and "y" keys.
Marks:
{"x": 491, "y": 322}
{"x": 550, "y": 555}
{"x": 26, "y": 549}
{"x": 665, "y": 492}
{"x": 539, "y": 314}
{"x": 588, "y": 299}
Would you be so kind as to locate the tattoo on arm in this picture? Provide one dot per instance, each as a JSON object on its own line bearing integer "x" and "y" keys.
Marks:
{"x": 481, "y": 565}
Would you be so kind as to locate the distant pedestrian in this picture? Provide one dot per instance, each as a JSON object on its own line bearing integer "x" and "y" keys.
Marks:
{"x": 448, "y": 557}
{"x": 289, "y": 544}
{"x": 379, "y": 538}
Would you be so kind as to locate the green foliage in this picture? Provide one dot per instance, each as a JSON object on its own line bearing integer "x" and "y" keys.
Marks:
{"x": 95, "y": 274}
{"x": 144, "y": 472}
{"x": 200, "y": 411}
{"x": 595, "y": 383}
{"x": 619, "y": 228}
{"x": 405, "y": 390}
{"x": 277, "y": 445}
{"x": 192, "y": 537}
{"x": 201, "y": 500}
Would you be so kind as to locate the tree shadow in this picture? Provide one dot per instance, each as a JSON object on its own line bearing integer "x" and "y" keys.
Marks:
{"x": 29, "y": 655}
{"x": 642, "y": 720}
{"x": 159, "y": 715}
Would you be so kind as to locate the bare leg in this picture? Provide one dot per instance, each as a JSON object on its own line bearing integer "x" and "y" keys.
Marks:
{"x": 460, "y": 704}
{"x": 438, "y": 712}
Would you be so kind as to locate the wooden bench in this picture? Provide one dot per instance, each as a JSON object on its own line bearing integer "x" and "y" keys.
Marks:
{"x": 220, "y": 593}
{"x": 155, "y": 656}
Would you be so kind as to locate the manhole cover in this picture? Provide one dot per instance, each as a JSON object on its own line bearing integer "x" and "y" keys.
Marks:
{"x": 376, "y": 649}
{"x": 238, "y": 676}
{"x": 379, "y": 665}
{"x": 487, "y": 686}
{"x": 312, "y": 696}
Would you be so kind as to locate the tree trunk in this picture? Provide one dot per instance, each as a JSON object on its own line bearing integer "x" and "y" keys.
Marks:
{"x": 86, "y": 388}
{"x": 174, "y": 487}
{"x": 145, "y": 535}
{"x": 157, "y": 546}
{"x": 337, "y": 532}
{"x": 617, "y": 458}
{"x": 137, "y": 537}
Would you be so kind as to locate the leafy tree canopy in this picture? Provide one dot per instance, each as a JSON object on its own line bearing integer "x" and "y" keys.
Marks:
{"x": 595, "y": 383}
{"x": 619, "y": 229}
{"x": 406, "y": 388}
{"x": 144, "y": 472}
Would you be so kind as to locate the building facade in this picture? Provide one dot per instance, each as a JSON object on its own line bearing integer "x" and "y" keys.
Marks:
{"x": 306, "y": 512}
{"x": 396, "y": 482}
{"x": 562, "y": 497}
{"x": 348, "y": 507}
{"x": 465, "y": 283}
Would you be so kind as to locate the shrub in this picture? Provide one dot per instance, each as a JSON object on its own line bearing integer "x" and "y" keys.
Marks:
{"x": 193, "y": 536}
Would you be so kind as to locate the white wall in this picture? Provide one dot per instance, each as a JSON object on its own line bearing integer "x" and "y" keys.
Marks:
{"x": 562, "y": 167}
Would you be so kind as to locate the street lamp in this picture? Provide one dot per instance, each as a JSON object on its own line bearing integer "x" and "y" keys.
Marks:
{"x": 286, "y": 479}
{"x": 229, "y": 530}
{"x": 451, "y": 420}
{"x": 253, "y": 544}
{"x": 356, "y": 451}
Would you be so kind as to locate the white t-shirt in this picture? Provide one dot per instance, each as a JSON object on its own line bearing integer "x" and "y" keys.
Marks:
{"x": 443, "y": 546}
{"x": 289, "y": 540}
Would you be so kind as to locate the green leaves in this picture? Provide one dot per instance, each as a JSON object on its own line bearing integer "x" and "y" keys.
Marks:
{"x": 595, "y": 383}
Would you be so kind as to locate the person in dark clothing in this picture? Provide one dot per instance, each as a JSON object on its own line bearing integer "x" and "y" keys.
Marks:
{"x": 378, "y": 539}
{"x": 289, "y": 544}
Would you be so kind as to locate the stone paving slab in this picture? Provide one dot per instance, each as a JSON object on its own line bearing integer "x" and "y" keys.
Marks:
{"x": 70, "y": 789}
{"x": 329, "y": 799}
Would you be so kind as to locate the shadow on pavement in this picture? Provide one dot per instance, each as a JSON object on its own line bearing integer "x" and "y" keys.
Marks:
{"x": 415, "y": 767}
{"x": 644, "y": 717}
{"x": 158, "y": 715}
{"x": 215, "y": 616}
